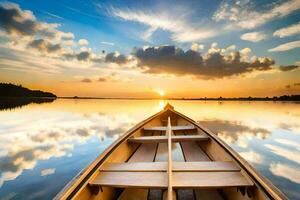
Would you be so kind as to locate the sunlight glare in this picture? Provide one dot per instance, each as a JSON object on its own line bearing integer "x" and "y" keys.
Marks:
{"x": 161, "y": 92}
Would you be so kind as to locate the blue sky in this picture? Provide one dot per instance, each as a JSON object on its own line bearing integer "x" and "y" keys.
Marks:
{"x": 93, "y": 20}
{"x": 256, "y": 30}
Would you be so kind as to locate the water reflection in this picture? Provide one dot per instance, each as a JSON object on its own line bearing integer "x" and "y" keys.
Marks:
{"x": 286, "y": 171}
{"x": 235, "y": 131}
{"x": 22, "y": 149}
{"x": 42, "y": 142}
{"x": 12, "y": 103}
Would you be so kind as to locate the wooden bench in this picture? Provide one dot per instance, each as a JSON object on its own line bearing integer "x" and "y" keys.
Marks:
{"x": 164, "y": 139}
{"x": 192, "y": 152}
{"x": 145, "y": 153}
{"x": 184, "y": 175}
{"x": 177, "y": 167}
{"x": 174, "y": 128}
{"x": 156, "y": 179}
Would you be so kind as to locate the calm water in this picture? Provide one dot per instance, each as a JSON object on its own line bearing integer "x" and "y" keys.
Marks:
{"x": 43, "y": 146}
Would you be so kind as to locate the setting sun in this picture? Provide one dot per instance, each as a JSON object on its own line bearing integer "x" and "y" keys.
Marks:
{"x": 160, "y": 92}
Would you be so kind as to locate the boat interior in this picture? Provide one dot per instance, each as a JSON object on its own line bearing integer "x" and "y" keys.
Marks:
{"x": 168, "y": 157}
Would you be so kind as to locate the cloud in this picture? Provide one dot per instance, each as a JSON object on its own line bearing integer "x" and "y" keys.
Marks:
{"x": 88, "y": 55}
{"x": 18, "y": 22}
{"x": 172, "y": 60}
{"x": 108, "y": 43}
{"x": 44, "y": 46}
{"x": 291, "y": 155}
{"x": 35, "y": 142}
{"x": 25, "y": 31}
{"x": 83, "y": 42}
{"x": 244, "y": 14}
{"x": 288, "y": 68}
{"x": 236, "y": 132}
{"x": 23, "y": 22}
{"x": 196, "y": 46}
{"x": 252, "y": 157}
{"x": 113, "y": 77}
{"x": 286, "y": 46}
{"x": 117, "y": 58}
{"x": 53, "y": 15}
{"x": 182, "y": 30}
{"x": 289, "y": 143}
{"x": 83, "y": 56}
{"x": 286, "y": 171}
{"x": 288, "y": 31}
{"x": 86, "y": 80}
{"x": 46, "y": 172}
{"x": 19, "y": 159}
{"x": 254, "y": 36}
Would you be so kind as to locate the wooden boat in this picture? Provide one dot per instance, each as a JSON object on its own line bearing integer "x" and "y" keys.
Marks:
{"x": 169, "y": 156}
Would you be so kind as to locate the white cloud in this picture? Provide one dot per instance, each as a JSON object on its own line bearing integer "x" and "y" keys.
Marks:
{"x": 213, "y": 45}
{"x": 286, "y": 46}
{"x": 254, "y": 36}
{"x": 288, "y": 31}
{"x": 252, "y": 157}
{"x": 291, "y": 155}
{"x": 196, "y": 46}
{"x": 285, "y": 171}
{"x": 83, "y": 42}
{"x": 25, "y": 149}
{"x": 231, "y": 47}
{"x": 182, "y": 30}
{"x": 244, "y": 14}
{"x": 108, "y": 43}
{"x": 245, "y": 51}
{"x": 288, "y": 143}
{"x": 46, "y": 172}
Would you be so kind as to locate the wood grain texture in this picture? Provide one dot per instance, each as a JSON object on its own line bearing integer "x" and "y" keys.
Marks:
{"x": 179, "y": 179}
{"x": 164, "y": 139}
{"x": 177, "y": 167}
{"x": 209, "y": 180}
{"x": 169, "y": 134}
{"x": 192, "y": 152}
{"x": 174, "y": 128}
{"x": 132, "y": 179}
{"x": 144, "y": 154}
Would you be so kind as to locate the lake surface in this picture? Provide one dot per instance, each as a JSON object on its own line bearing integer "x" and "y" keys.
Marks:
{"x": 44, "y": 145}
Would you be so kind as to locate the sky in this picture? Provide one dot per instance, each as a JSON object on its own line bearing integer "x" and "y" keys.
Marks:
{"x": 148, "y": 48}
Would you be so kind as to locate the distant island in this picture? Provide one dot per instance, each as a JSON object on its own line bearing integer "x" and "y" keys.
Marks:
{"x": 12, "y": 90}
{"x": 15, "y": 96}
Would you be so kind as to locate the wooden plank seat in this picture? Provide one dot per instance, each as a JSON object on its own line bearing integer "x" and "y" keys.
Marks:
{"x": 174, "y": 128}
{"x": 203, "y": 180}
{"x": 177, "y": 167}
{"x": 164, "y": 139}
{"x": 193, "y": 152}
{"x": 144, "y": 153}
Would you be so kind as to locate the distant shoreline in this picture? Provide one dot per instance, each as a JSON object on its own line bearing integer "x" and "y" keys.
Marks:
{"x": 15, "y": 92}
{"x": 281, "y": 98}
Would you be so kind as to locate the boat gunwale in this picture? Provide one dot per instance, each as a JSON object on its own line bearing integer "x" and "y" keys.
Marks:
{"x": 81, "y": 179}
{"x": 269, "y": 188}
